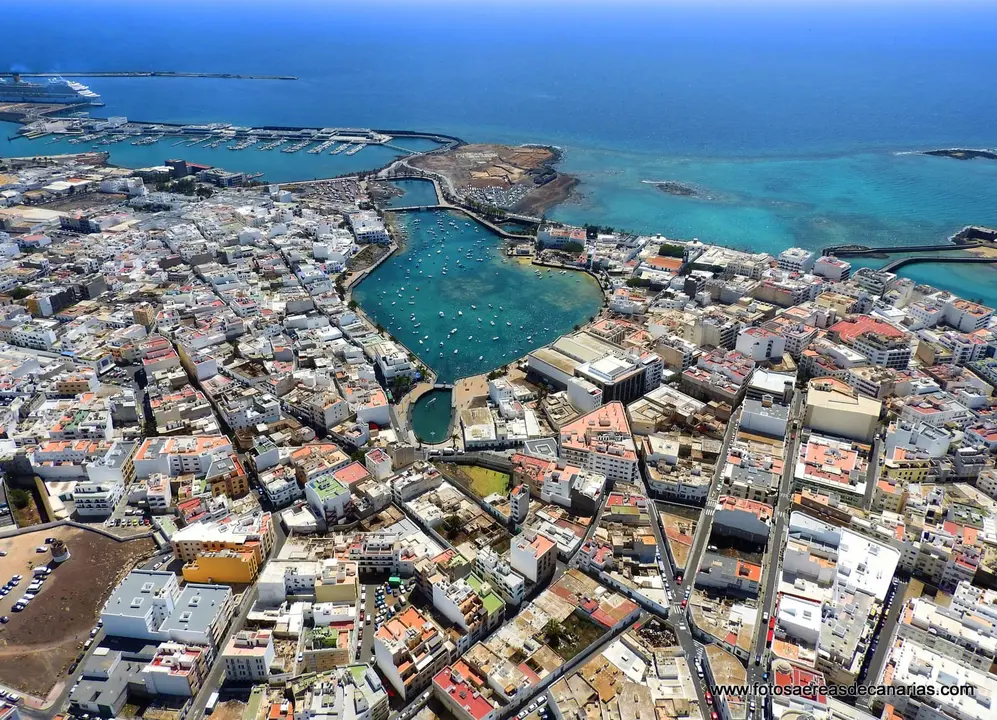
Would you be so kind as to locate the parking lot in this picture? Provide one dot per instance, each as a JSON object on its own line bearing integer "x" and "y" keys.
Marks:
{"x": 39, "y": 641}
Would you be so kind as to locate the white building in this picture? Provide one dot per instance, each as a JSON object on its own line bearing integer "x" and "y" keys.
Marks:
{"x": 832, "y": 268}
{"x": 760, "y": 344}
{"x": 328, "y": 498}
{"x": 797, "y": 260}
{"x": 95, "y": 500}
{"x": 967, "y": 316}
{"x": 499, "y": 574}
{"x": 176, "y": 669}
{"x": 368, "y": 227}
{"x": 149, "y": 605}
{"x": 248, "y": 656}
{"x": 534, "y": 559}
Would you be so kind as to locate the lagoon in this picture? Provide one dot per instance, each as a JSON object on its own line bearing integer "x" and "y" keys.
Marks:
{"x": 450, "y": 287}
{"x": 430, "y": 416}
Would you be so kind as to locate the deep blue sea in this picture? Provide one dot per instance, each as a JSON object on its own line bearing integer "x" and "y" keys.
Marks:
{"x": 788, "y": 119}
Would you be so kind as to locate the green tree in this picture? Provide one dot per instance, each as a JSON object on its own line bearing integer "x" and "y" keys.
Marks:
{"x": 669, "y": 250}
{"x": 20, "y": 293}
{"x": 573, "y": 247}
{"x": 452, "y": 525}
{"x": 19, "y": 498}
{"x": 539, "y": 245}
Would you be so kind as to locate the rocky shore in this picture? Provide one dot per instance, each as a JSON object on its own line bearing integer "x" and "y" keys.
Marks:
{"x": 673, "y": 187}
{"x": 963, "y": 154}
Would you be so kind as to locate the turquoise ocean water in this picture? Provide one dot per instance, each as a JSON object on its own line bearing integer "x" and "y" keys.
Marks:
{"x": 787, "y": 116}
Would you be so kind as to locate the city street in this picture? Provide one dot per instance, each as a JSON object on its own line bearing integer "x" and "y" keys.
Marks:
{"x": 771, "y": 567}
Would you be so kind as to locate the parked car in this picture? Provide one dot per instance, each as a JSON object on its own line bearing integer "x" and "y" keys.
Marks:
{"x": 5, "y": 619}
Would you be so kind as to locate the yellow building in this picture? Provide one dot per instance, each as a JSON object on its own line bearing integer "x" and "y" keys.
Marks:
{"x": 834, "y": 408}
{"x": 228, "y": 550}
{"x": 229, "y": 567}
{"x": 906, "y": 466}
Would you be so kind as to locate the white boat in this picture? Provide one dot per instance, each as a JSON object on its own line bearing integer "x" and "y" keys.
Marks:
{"x": 491, "y": 322}
{"x": 459, "y": 312}
{"x": 481, "y": 357}
{"x": 495, "y": 338}
{"x": 441, "y": 314}
{"x": 455, "y": 351}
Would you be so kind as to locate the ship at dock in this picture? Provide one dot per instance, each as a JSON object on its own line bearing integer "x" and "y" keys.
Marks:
{"x": 55, "y": 91}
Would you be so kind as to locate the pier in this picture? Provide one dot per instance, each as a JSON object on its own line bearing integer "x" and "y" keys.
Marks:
{"x": 148, "y": 74}
{"x": 920, "y": 259}
{"x": 843, "y": 251}
{"x": 970, "y": 236}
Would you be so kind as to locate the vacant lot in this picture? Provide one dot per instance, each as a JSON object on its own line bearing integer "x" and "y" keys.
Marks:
{"x": 482, "y": 481}
{"x": 39, "y": 643}
{"x": 580, "y": 634}
{"x": 229, "y": 710}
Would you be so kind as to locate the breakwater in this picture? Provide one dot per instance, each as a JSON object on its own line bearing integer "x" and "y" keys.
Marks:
{"x": 971, "y": 236}
{"x": 148, "y": 74}
{"x": 920, "y": 259}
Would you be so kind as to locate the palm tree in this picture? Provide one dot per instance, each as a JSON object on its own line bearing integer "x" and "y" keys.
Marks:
{"x": 555, "y": 633}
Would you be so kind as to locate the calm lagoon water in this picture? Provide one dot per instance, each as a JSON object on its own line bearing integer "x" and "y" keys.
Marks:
{"x": 414, "y": 192}
{"x": 430, "y": 416}
{"x": 455, "y": 300}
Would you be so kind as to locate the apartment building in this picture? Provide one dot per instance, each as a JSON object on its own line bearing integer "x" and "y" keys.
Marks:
{"x": 409, "y": 649}
{"x": 600, "y": 442}
{"x": 500, "y": 575}
{"x": 149, "y": 605}
{"x": 248, "y": 656}
{"x": 535, "y": 559}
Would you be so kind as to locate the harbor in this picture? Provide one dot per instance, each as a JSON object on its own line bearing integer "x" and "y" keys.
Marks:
{"x": 291, "y": 154}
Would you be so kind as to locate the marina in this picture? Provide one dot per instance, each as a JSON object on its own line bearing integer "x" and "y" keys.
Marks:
{"x": 221, "y": 146}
